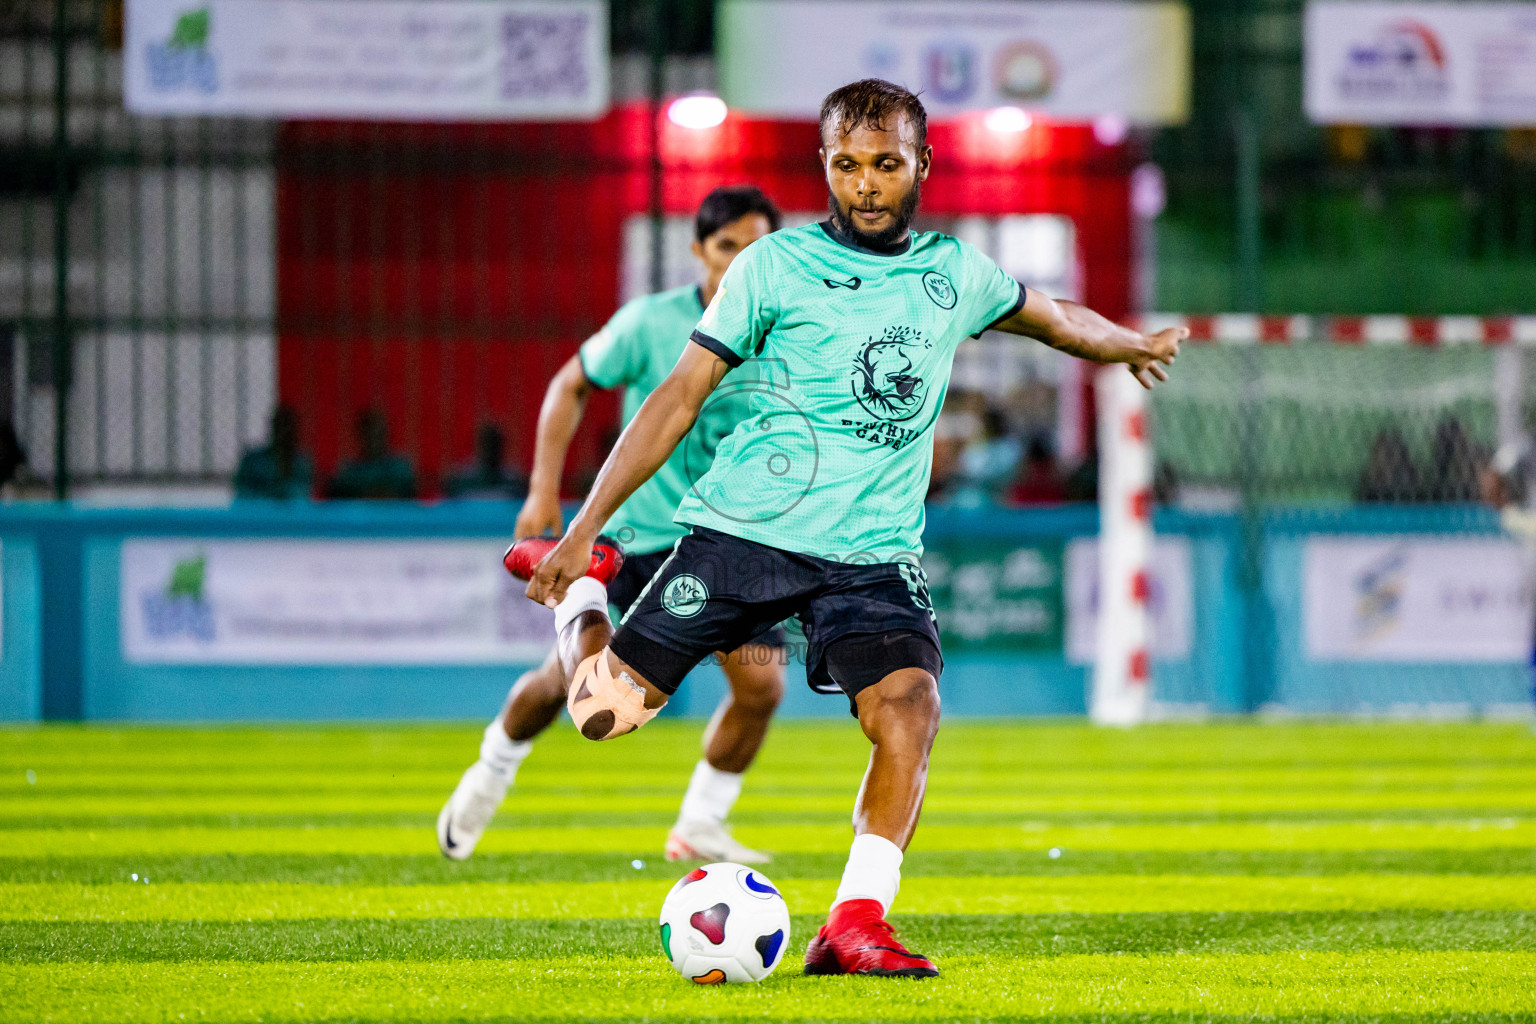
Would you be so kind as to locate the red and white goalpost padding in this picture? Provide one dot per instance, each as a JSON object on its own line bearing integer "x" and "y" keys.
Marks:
{"x": 1122, "y": 669}
{"x": 1424, "y": 331}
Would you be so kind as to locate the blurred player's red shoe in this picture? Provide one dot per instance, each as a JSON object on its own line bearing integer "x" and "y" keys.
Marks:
{"x": 857, "y": 940}
{"x": 523, "y": 556}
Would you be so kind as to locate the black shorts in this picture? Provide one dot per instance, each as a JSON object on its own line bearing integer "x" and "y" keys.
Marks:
{"x": 714, "y": 592}
{"x": 637, "y": 571}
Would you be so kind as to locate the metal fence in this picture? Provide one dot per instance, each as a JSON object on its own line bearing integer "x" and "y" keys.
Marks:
{"x": 136, "y": 269}
{"x": 1270, "y": 212}
{"x": 147, "y": 328}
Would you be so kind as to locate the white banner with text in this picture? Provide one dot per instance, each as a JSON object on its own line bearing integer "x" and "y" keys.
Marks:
{"x": 1413, "y": 599}
{"x": 325, "y": 602}
{"x": 395, "y": 60}
{"x": 1069, "y": 59}
{"x": 1421, "y": 63}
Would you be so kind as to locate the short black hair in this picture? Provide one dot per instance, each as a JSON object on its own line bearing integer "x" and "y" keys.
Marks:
{"x": 875, "y": 103}
{"x": 730, "y": 203}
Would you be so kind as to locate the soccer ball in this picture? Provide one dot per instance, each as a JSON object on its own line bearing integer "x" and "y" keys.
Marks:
{"x": 724, "y": 922}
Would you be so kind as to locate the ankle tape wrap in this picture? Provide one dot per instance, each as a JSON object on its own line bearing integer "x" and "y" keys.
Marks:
{"x": 604, "y": 707}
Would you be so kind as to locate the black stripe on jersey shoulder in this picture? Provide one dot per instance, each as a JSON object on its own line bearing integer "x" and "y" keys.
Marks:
{"x": 581, "y": 362}
{"x": 718, "y": 348}
{"x": 1018, "y": 304}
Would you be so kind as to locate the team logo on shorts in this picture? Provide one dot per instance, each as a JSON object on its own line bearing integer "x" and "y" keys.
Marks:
{"x": 883, "y": 381}
{"x": 685, "y": 596}
{"x": 940, "y": 290}
{"x": 917, "y": 587}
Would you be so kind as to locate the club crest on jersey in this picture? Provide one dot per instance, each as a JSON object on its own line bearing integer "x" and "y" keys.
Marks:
{"x": 940, "y": 290}
{"x": 685, "y": 596}
{"x": 883, "y": 381}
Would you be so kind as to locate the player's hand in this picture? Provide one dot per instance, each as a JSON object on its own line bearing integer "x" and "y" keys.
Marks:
{"x": 540, "y": 514}
{"x": 1161, "y": 349}
{"x": 566, "y": 563}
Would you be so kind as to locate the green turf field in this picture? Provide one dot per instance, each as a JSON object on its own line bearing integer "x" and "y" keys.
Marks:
{"x": 1303, "y": 872}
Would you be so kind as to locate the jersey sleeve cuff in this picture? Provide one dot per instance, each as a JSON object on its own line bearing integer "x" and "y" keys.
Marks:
{"x": 581, "y": 361}
{"x": 1018, "y": 304}
{"x": 717, "y": 347}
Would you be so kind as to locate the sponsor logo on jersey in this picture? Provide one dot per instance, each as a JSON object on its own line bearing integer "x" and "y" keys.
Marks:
{"x": 940, "y": 290}
{"x": 685, "y": 596}
{"x": 883, "y": 381}
{"x": 852, "y": 284}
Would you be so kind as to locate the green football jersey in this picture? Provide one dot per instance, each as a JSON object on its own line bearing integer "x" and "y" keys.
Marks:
{"x": 636, "y": 350}
{"x": 855, "y": 348}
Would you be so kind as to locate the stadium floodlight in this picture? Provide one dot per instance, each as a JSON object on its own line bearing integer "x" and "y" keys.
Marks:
{"x": 1110, "y": 129}
{"x": 698, "y": 111}
{"x": 1007, "y": 120}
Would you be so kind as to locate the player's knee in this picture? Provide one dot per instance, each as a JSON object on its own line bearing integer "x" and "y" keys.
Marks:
{"x": 757, "y": 689}
{"x": 545, "y": 684}
{"x": 908, "y": 699}
{"x": 605, "y": 704}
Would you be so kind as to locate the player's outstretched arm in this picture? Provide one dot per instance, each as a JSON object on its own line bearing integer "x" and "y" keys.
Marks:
{"x": 564, "y": 401}
{"x": 660, "y": 424}
{"x": 1079, "y": 331}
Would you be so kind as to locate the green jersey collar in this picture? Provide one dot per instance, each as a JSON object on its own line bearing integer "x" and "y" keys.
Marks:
{"x": 848, "y": 240}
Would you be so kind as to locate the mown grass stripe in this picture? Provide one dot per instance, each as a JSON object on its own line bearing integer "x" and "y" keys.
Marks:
{"x": 603, "y": 989}
{"x": 963, "y": 747}
{"x": 40, "y": 807}
{"x": 507, "y": 837}
{"x": 943, "y": 935}
{"x": 213, "y": 901}
{"x": 619, "y": 865}
{"x": 537, "y": 777}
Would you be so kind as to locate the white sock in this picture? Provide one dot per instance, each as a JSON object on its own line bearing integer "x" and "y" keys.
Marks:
{"x": 873, "y": 872}
{"x": 711, "y": 795}
{"x": 501, "y": 752}
{"x": 584, "y": 595}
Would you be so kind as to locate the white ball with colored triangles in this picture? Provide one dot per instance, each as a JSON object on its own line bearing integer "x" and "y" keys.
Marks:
{"x": 724, "y": 922}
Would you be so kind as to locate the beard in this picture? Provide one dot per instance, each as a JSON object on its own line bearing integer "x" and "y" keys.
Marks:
{"x": 901, "y": 219}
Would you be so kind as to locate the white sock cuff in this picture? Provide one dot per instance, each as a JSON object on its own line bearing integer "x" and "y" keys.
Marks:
{"x": 583, "y": 595}
{"x": 873, "y": 871}
{"x": 711, "y": 794}
{"x": 501, "y": 751}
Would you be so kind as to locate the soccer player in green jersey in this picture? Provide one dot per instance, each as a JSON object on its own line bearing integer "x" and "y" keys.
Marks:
{"x": 636, "y": 350}
{"x": 814, "y": 505}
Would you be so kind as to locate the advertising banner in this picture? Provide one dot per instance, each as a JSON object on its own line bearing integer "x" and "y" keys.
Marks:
{"x": 1069, "y": 59}
{"x": 322, "y": 602}
{"x": 1407, "y": 599}
{"x": 407, "y": 60}
{"x": 1421, "y": 63}
{"x": 992, "y": 595}
{"x": 1170, "y": 599}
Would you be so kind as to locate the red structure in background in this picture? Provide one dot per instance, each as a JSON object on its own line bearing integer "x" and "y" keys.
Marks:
{"x": 443, "y": 273}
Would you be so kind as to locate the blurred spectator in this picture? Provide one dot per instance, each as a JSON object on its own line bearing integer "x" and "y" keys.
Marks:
{"x": 16, "y": 478}
{"x": 279, "y": 470}
{"x": 954, "y": 428}
{"x": 988, "y": 462}
{"x": 377, "y": 473}
{"x": 486, "y": 477}
{"x": 1083, "y": 482}
{"x": 1389, "y": 473}
{"x": 1165, "y": 483}
{"x": 1457, "y": 460}
{"x": 13, "y": 458}
{"x": 1506, "y": 481}
{"x": 1040, "y": 482}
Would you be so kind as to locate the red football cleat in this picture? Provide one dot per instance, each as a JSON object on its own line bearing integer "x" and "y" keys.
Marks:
{"x": 857, "y": 940}
{"x": 522, "y": 557}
